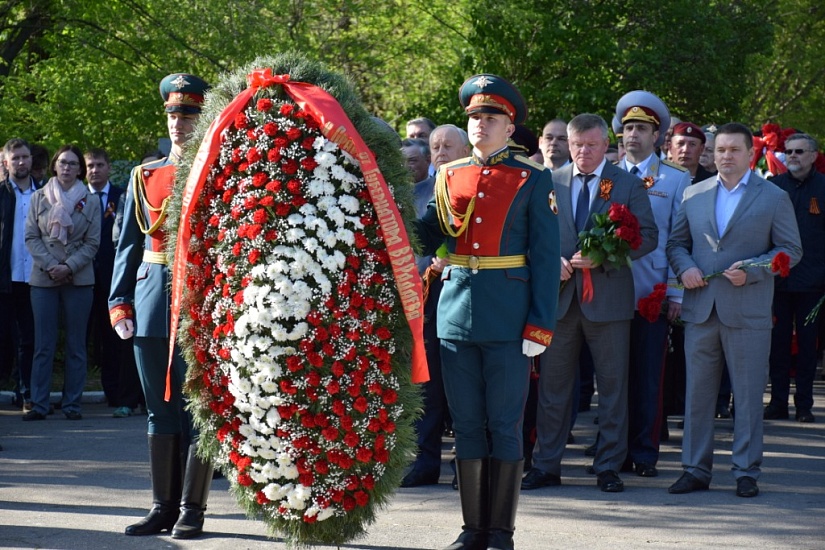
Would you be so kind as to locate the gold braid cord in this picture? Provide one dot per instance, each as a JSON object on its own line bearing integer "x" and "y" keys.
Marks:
{"x": 140, "y": 200}
{"x": 445, "y": 210}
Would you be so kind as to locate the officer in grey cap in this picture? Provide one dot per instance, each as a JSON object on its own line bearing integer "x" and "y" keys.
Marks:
{"x": 645, "y": 119}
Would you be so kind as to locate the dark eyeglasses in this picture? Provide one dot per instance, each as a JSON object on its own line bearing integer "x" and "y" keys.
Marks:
{"x": 70, "y": 163}
{"x": 795, "y": 151}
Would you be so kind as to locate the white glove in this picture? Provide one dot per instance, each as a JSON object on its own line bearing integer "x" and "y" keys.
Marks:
{"x": 531, "y": 349}
{"x": 125, "y": 329}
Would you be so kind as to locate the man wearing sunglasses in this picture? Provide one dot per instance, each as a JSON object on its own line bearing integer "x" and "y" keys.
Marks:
{"x": 796, "y": 295}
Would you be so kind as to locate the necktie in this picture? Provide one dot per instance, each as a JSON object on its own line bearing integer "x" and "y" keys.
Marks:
{"x": 583, "y": 204}
{"x": 635, "y": 171}
{"x": 102, "y": 203}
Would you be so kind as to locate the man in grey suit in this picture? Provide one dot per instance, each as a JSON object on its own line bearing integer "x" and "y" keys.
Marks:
{"x": 726, "y": 224}
{"x": 604, "y": 322}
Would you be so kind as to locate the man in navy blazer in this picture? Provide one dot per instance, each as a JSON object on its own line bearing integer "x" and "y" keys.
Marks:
{"x": 727, "y": 224}
{"x": 107, "y": 346}
{"x": 603, "y": 323}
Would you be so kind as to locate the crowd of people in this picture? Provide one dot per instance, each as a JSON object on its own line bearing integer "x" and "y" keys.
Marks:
{"x": 711, "y": 231}
{"x": 520, "y": 319}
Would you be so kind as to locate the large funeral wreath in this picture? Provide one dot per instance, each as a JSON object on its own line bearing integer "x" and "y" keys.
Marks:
{"x": 291, "y": 321}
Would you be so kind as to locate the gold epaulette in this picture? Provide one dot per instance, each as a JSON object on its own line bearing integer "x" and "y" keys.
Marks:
{"x": 531, "y": 163}
{"x": 139, "y": 192}
{"x": 445, "y": 210}
{"x": 674, "y": 165}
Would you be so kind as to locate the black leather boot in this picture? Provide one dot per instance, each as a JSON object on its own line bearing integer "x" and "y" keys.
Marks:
{"x": 505, "y": 485}
{"x": 196, "y": 485}
{"x": 473, "y": 489}
{"x": 164, "y": 466}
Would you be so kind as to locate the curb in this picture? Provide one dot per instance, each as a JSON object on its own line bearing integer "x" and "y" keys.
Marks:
{"x": 88, "y": 397}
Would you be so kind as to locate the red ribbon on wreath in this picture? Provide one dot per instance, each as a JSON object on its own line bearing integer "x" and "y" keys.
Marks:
{"x": 336, "y": 126}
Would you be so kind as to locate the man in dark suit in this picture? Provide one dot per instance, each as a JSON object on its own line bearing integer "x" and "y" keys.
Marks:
{"x": 495, "y": 211}
{"x": 106, "y": 345}
{"x": 797, "y": 295}
{"x": 603, "y": 323}
{"x": 726, "y": 224}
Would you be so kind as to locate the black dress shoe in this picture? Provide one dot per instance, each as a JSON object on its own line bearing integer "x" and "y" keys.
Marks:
{"x": 746, "y": 487}
{"x": 73, "y": 415}
{"x": 687, "y": 484}
{"x": 805, "y": 416}
{"x": 33, "y": 415}
{"x": 536, "y": 479}
{"x": 416, "y": 478}
{"x": 643, "y": 469}
{"x": 591, "y": 450}
{"x": 722, "y": 411}
{"x": 590, "y": 470}
{"x": 773, "y": 412}
{"x": 610, "y": 482}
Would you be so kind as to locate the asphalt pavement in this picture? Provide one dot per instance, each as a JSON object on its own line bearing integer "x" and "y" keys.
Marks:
{"x": 77, "y": 484}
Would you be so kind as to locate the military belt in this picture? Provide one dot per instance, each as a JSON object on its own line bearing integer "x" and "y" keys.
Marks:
{"x": 488, "y": 262}
{"x": 151, "y": 257}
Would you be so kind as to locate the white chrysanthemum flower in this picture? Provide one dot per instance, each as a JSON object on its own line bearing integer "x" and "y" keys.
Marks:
{"x": 273, "y": 491}
{"x": 325, "y": 203}
{"x": 326, "y": 513}
{"x": 346, "y": 236}
{"x": 349, "y": 203}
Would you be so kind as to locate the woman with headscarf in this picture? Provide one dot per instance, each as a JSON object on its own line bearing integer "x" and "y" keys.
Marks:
{"x": 62, "y": 235}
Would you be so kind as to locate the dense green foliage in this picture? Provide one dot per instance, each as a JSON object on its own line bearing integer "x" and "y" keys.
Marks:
{"x": 87, "y": 72}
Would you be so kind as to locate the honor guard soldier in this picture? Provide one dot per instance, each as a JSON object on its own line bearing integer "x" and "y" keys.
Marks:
{"x": 496, "y": 211}
{"x": 645, "y": 118}
{"x": 139, "y": 306}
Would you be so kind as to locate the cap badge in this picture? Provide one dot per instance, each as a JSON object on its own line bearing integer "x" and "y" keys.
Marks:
{"x": 482, "y": 81}
{"x": 180, "y": 82}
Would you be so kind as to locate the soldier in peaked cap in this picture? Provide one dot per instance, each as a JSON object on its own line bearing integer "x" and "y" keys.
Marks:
{"x": 496, "y": 212}
{"x": 139, "y": 307}
{"x": 645, "y": 118}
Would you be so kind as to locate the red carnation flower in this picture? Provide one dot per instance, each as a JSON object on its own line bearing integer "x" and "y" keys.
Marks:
{"x": 362, "y": 498}
{"x": 781, "y": 264}
{"x": 289, "y": 166}
{"x": 286, "y": 109}
{"x": 259, "y": 179}
{"x": 260, "y": 216}
{"x": 293, "y": 186}
{"x": 293, "y": 133}
{"x": 273, "y": 155}
{"x": 253, "y": 155}
{"x": 240, "y": 121}
{"x": 270, "y": 129}
{"x": 361, "y": 404}
{"x": 308, "y": 163}
{"x": 352, "y": 440}
{"x": 264, "y": 104}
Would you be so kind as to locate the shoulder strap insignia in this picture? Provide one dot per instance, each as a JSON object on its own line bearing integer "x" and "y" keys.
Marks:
{"x": 674, "y": 165}
{"x": 531, "y": 163}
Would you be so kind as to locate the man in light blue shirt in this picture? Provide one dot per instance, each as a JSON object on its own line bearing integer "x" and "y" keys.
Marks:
{"x": 16, "y": 320}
